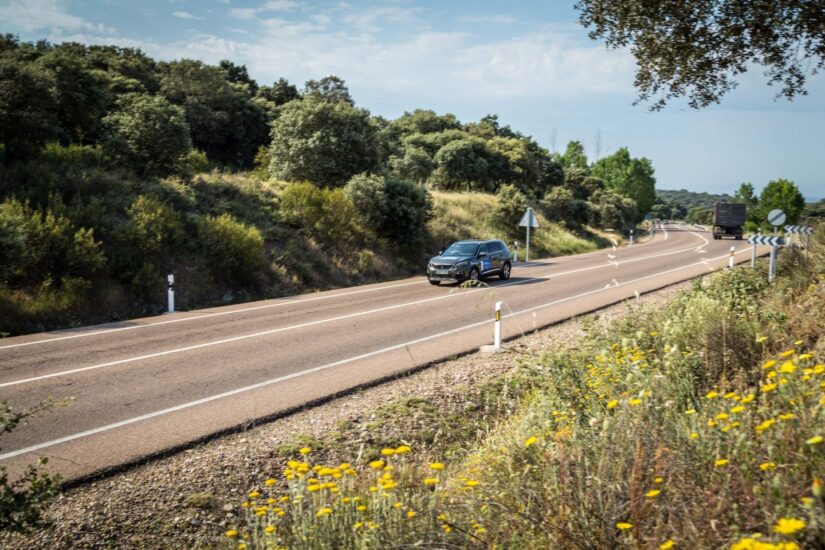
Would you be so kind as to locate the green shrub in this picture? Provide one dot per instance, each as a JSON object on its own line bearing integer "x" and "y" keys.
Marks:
{"x": 323, "y": 213}
{"x": 234, "y": 251}
{"x": 395, "y": 209}
{"x": 509, "y": 209}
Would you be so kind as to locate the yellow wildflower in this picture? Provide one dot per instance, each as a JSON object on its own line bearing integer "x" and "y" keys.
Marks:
{"x": 403, "y": 449}
{"x": 270, "y": 482}
{"x": 806, "y": 356}
{"x": 612, "y": 404}
{"x": 767, "y": 388}
{"x": 635, "y": 402}
{"x": 411, "y": 514}
{"x": 270, "y": 529}
{"x": 530, "y": 441}
{"x": 721, "y": 462}
{"x": 430, "y": 481}
{"x": 748, "y": 398}
{"x": 254, "y": 494}
{"x": 377, "y": 464}
{"x": 737, "y": 409}
{"x": 652, "y": 493}
{"x": 765, "y": 425}
{"x": 690, "y": 411}
{"x": 323, "y": 512}
{"x": 658, "y": 479}
{"x": 765, "y": 466}
{"x": 667, "y": 545}
{"x": 437, "y": 466}
{"x": 730, "y": 395}
{"x": 305, "y": 450}
{"x": 815, "y": 440}
{"x": 760, "y": 339}
{"x": 471, "y": 483}
{"x": 788, "y": 526}
{"x": 769, "y": 364}
{"x": 361, "y": 508}
{"x": 787, "y": 416}
{"x": 787, "y": 367}
{"x": 694, "y": 435}
{"x": 387, "y": 452}
{"x": 624, "y": 526}
{"x": 787, "y": 353}
{"x": 721, "y": 416}
{"x": 711, "y": 394}
{"x": 232, "y": 533}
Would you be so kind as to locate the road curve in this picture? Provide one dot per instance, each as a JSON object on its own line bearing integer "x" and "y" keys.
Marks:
{"x": 144, "y": 386}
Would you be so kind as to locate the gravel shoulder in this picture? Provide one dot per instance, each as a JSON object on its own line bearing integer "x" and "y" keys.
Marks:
{"x": 189, "y": 499}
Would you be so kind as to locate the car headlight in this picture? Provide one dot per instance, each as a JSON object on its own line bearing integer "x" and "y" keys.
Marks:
{"x": 461, "y": 265}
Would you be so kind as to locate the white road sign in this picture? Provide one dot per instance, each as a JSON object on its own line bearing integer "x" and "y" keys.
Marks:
{"x": 776, "y": 217}
{"x": 528, "y": 219}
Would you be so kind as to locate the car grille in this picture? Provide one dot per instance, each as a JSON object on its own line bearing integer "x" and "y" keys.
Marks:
{"x": 442, "y": 266}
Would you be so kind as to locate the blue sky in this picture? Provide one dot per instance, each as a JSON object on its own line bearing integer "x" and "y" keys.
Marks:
{"x": 528, "y": 61}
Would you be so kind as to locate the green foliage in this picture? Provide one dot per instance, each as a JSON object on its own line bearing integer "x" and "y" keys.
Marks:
{"x": 323, "y": 142}
{"x": 44, "y": 245}
{"x": 462, "y": 164}
{"x": 234, "y": 251}
{"x": 691, "y": 199}
{"x": 629, "y": 177}
{"x": 697, "y": 49}
{"x": 224, "y": 121}
{"x": 395, "y": 209}
{"x": 23, "y": 501}
{"x": 510, "y": 207}
{"x": 148, "y": 134}
{"x": 610, "y": 210}
{"x": 330, "y": 88}
{"x": 323, "y": 213}
{"x": 27, "y": 119}
{"x": 784, "y": 195}
{"x": 575, "y": 157}
{"x": 414, "y": 165}
{"x": 699, "y": 215}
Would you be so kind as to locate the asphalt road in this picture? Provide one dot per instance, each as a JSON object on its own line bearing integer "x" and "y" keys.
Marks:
{"x": 144, "y": 386}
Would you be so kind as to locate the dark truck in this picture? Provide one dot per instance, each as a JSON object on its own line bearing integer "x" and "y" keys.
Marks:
{"x": 728, "y": 219}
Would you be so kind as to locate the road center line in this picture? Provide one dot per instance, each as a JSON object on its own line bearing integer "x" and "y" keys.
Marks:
{"x": 312, "y": 323}
{"x": 272, "y": 381}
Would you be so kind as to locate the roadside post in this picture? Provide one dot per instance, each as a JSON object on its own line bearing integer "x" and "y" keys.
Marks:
{"x": 776, "y": 218}
{"x": 515, "y": 251}
{"x": 528, "y": 220}
{"x": 730, "y": 259}
{"x": 768, "y": 240}
{"x": 171, "y": 292}
{"x": 631, "y": 237}
{"x": 497, "y": 331}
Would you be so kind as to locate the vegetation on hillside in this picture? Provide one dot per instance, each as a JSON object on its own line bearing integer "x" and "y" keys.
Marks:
{"x": 695, "y": 425}
{"x": 116, "y": 169}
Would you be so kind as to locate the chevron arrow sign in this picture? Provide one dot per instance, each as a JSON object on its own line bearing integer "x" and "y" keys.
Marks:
{"x": 803, "y": 229}
{"x": 766, "y": 240}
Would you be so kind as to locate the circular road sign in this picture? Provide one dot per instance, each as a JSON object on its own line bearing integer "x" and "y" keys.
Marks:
{"x": 776, "y": 217}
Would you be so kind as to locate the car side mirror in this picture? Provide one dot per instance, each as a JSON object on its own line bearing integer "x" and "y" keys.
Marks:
{"x": 440, "y": 252}
{"x": 482, "y": 254}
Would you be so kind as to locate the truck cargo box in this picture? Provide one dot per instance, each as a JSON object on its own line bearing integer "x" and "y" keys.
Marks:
{"x": 727, "y": 214}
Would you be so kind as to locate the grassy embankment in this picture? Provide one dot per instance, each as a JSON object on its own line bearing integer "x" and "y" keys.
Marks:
{"x": 695, "y": 425}
{"x": 226, "y": 237}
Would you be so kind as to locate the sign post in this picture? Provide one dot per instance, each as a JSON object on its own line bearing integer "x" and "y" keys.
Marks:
{"x": 528, "y": 220}
{"x": 776, "y": 218}
{"x": 631, "y": 237}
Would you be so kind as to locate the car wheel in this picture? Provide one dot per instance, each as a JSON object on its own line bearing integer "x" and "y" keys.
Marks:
{"x": 505, "y": 272}
{"x": 434, "y": 282}
{"x": 473, "y": 274}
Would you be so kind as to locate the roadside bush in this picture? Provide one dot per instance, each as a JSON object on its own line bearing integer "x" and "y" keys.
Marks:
{"x": 324, "y": 213}
{"x": 233, "y": 250}
{"x": 44, "y": 245}
{"x": 395, "y": 209}
{"x": 510, "y": 207}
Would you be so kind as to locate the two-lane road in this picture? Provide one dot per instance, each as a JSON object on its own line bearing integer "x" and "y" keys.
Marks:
{"x": 148, "y": 385}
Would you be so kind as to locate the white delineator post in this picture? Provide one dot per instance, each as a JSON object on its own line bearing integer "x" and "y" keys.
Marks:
{"x": 631, "y": 237}
{"x": 497, "y": 330}
{"x": 730, "y": 259}
{"x": 527, "y": 249}
{"x": 171, "y": 292}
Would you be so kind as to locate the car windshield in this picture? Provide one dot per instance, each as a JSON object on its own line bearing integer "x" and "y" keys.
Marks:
{"x": 461, "y": 249}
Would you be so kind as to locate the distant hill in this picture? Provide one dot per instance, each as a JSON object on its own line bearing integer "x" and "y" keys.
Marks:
{"x": 691, "y": 199}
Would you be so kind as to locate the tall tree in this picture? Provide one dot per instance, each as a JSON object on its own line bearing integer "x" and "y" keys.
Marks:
{"x": 784, "y": 195}
{"x": 323, "y": 142}
{"x": 630, "y": 177}
{"x": 225, "y": 123}
{"x": 697, "y": 48}
{"x": 330, "y": 88}
{"x": 574, "y": 156}
{"x": 27, "y": 120}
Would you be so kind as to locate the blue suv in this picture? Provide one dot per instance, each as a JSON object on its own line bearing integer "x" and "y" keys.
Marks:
{"x": 470, "y": 260}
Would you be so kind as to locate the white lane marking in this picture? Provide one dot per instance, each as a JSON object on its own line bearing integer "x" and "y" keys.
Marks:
{"x": 286, "y": 302}
{"x": 312, "y": 323}
{"x": 312, "y": 370}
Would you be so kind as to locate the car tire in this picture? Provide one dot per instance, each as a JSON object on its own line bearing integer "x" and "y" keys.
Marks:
{"x": 474, "y": 275}
{"x": 434, "y": 282}
{"x": 505, "y": 272}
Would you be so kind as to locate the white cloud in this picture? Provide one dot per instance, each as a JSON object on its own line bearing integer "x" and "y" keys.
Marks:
{"x": 185, "y": 15}
{"x": 367, "y": 21}
{"x": 36, "y": 15}
{"x": 494, "y": 19}
{"x": 267, "y": 7}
